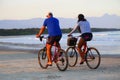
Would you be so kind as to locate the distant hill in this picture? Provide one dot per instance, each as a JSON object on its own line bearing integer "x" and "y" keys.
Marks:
{"x": 105, "y": 21}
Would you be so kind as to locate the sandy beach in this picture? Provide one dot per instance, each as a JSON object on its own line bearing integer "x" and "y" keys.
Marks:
{"x": 23, "y": 65}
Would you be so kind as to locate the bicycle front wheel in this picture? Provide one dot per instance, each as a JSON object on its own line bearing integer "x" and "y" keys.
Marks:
{"x": 42, "y": 58}
{"x": 72, "y": 56}
{"x": 93, "y": 58}
{"x": 62, "y": 60}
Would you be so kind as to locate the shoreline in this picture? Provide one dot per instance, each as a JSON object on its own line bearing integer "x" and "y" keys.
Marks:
{"x": 32, "y": 31}
{"x": 35, "y": 51}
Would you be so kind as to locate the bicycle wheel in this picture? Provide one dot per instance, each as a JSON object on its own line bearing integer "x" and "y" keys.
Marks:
{"x": 93, "y": 58}
{"x": 72, "y": 56}
{"x": 42, "y": 58}
{"x": 62, "y": 60}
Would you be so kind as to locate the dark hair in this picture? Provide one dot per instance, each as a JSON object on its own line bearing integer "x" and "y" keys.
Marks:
{"x": 50, "y": 14}
{"x": 81, "y": 17}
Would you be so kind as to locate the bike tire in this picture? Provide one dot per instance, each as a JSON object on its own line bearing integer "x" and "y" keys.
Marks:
{"x": 62, "y": 62}
{"x": 72, "y": 56}
{"x": 93, "y": 58}
{"x": 42, "y": 58}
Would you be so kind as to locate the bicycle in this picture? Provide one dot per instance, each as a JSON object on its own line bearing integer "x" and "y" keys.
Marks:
{"x": 92, "y": 56}
{"x": 59, "y": 57}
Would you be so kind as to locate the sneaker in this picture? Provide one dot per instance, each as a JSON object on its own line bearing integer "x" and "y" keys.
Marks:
{"x": 82, "y": 61}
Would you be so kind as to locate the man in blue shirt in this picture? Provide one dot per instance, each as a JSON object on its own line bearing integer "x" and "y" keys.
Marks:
{"x": 54, "y": 32}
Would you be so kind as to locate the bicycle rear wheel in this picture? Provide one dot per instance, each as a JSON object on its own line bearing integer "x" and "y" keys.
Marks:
{"x": 62, "y": 60}
{"x": 93, "y": 58}
{"x": 42, "y": 58}
{"x": 72, "y": 56}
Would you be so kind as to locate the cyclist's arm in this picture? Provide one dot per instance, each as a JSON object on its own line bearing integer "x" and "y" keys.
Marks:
{"x": 76, "y": 27}
{"x": 41, "y": 31}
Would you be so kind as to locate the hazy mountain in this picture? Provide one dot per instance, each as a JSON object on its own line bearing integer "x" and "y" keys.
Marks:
{"x": 105, "y": 21}
{"x": 30, "y": 23}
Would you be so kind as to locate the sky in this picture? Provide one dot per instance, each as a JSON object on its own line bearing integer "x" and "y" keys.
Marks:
{"x": 27, "y": 9}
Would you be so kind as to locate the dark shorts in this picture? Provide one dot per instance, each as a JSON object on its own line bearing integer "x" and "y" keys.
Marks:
{"x": 52, "y": 39}
{"x": 87, "y": 36}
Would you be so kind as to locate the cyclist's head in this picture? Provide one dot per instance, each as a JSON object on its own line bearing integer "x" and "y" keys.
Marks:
{"x": 81, "y": 17}
{"x": 49, "y": 15}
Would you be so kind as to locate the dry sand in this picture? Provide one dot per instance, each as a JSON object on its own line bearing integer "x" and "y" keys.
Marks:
{"x": 23, "y": 65}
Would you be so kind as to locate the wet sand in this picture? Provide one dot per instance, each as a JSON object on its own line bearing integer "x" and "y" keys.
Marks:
{"x": 23, "y": 65}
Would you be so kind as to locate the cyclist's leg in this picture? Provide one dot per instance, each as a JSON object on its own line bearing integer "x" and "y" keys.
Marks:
{"x": 49, "y": 44}
{"x": 82, "y": 54}
{"x": 84, "y": 37}
{"x": 85, "y": 47}
{"x": 57, "y": 40}
{"x": 57, "y": 44}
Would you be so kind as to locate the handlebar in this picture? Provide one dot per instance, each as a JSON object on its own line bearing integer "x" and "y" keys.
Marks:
{"x": 42, "y": 37}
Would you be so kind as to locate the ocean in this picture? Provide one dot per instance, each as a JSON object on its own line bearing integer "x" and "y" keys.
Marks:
{"x": 106, "y": 42}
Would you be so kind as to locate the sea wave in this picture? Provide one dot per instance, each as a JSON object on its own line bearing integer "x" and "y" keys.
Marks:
{"x": 20, "y": 46}
{"x": 31, "y": 40}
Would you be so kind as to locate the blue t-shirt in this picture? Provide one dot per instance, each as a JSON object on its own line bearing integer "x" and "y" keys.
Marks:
{"x": 53, "y": 27}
